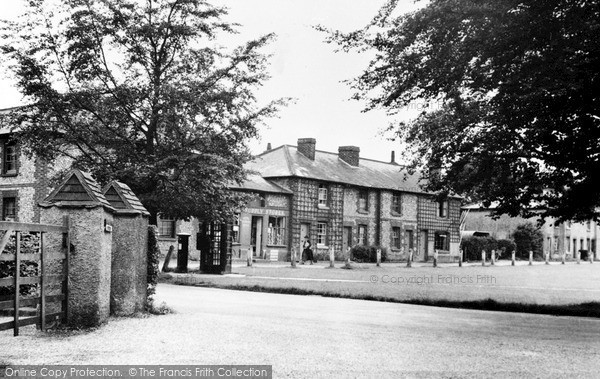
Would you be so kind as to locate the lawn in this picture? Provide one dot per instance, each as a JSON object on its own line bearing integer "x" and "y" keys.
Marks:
{"x": 554, "y": 288}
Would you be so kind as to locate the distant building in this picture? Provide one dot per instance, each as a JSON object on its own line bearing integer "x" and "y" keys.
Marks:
{"x": 568, "y": 237}
{"x": 24, "y": 181}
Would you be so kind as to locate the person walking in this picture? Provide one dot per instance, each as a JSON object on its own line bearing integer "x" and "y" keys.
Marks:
{"x": 307, "y": 253}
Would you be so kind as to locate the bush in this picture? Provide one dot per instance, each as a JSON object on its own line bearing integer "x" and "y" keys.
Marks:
{"x": 30, "y": 244}
{"x": 472, "y": 247}
{"x": 505, "y": 248}
{"x": 362, "y": 253}
{"x": 152, "y": 266}
{"x": 528, "y": 237}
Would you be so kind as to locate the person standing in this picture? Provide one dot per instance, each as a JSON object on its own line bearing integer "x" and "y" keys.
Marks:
{"x": 307, "y": 253}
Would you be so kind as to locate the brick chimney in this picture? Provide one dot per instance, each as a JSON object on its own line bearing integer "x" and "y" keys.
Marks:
{"x": 306, "y": 146}
{"x": 349, "y": 154}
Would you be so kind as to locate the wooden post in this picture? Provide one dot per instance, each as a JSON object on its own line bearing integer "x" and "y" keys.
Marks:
{"x": 331, "y": 258}
{"x": 435, "y": 258}
{"x": 17, "y": 280}
{"x": 42, "y": 284}
{"x": 483, "y": 257}
{"x": 68, "y": 223}
{"x": 378, "y": 257}
{"x": 493, "y": 259}
{"x": 512, "y": 263}
{"x": 410, "y": 258}
{"x": 293, "y": 256}
{"x": 530, "y": 257}
{"x": 460, "y": 258}
{"x": 165, "y": 267}
{"x": 578, "y": 255}
{"x": 547, "y": 254}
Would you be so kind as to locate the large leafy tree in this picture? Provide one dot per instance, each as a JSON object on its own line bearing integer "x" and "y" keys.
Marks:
{"x": 140, "y": 91}
{"x": 513, "y": 88}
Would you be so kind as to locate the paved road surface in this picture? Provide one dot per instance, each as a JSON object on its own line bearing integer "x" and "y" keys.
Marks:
{"x": 311, "y": 336}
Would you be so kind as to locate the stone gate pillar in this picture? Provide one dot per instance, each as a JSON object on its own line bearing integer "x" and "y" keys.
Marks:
{"x": 129, "y": 250}
{"x": 80, "y": 197}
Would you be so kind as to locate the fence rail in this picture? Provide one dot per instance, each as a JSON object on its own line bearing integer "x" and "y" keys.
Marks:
{"x": 16, "y": 302}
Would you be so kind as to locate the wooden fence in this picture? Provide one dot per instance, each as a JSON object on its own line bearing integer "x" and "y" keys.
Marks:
{"x": 34, "y": 259}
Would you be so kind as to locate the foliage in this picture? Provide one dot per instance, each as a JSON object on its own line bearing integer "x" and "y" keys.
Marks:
{"x": 152, "y": 265}
{"x": 29, "y": 245}
{"x": 140, "y": 92}
{"x": 513, "y": 95}
{"x": 362, "y": 253}
{"x": 473, "y": 246}
{"x": 528, "y": 237}
{"x": 506, "y": 247}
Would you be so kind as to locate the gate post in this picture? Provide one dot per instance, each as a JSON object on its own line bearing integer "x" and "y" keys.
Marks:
{"x": 90, "y": 235}
{"x": 129, "y": 256}
{"x": 183, "y": 240}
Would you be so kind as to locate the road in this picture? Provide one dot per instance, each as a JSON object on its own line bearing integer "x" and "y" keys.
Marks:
{"x": 312, "y": 336}
{"x": 308, "y": 336}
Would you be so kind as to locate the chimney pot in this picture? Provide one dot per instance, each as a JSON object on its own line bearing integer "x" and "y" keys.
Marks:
{"x": 306, "y": 146}
{"x": 349, "y": 154}
{"x": 393, "y": 156}
{"x": 269, "y": 146}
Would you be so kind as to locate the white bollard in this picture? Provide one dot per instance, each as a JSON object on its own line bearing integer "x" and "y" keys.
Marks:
{"x": 547, "y": 258}
{"x": 460, "y": 258}
{"x": 410, "y": 258}
{"x": 493, "y": 259}
{"x": 530, "y": 258}
{"x": 578, "y": 254}
{"x": 435, "y": 258}
{"x": 512, "y": 258}
{"x": 249, "y": 257}
{"x": 483, "y": 257}
{"x": 378, "y": 257}
{"x": 562, "y": 258}
{"x": 293, "y": 256}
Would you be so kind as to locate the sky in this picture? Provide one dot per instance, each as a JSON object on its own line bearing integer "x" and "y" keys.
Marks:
{"x": 304, "y": 68}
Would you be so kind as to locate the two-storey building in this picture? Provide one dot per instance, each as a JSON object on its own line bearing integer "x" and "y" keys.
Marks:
{"x": 341, "y": 200}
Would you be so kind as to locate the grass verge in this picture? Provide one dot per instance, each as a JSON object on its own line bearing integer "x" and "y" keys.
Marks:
{"x": 588, "y": 309}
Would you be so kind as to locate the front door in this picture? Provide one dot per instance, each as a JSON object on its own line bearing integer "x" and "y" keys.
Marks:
{"x": 424, "y": 245}
{"x": 304, "y": 231}
{"x": 256, "y": 236}
{"x": 346, "y": 239}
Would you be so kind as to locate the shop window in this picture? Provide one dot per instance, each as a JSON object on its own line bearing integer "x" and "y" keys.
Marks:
{"x": 166, "y": 227}
{"x": 442, "y": 241}
{"x": 396, "y": 238}
{"x": 276, "y": 231}
{"x": 321, "y": 233}
{"x": 9, "y": 209}
{"x": 235, "y": 234}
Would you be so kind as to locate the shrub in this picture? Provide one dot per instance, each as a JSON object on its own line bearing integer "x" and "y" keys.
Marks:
{"x": 505, "y": 248}
{"x": 30, "y": 244}
{"x": 362, "y": 253}
{"x": 528, "y": 237}
{"x": 152, "y": 265}
{"x": 472, "y": 247}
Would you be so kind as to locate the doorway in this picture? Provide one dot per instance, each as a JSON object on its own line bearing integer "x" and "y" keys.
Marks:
{"x": 346, "y": 239}
{"x": 425, "y": 245}
{"x": 256, "y": 236}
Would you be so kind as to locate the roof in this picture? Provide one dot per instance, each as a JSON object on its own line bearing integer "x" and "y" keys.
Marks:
{"x": 79, "y": 189}
{"x": 122, "y": 198}
{"x": 257, "y": 183}
{"x": 287, "y": 161}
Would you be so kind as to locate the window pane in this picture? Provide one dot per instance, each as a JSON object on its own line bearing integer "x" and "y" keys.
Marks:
{"x": 166, "y": 227}
{"x": 396, "y": 238}
{"x": 322, "y": 194}
{"x": 9, "y": 209}
{"x": 322, "y": 233}
{"x": 10, "y": 158}
{"x": 276, "y": 231}
{"x": 362, "y": 235}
